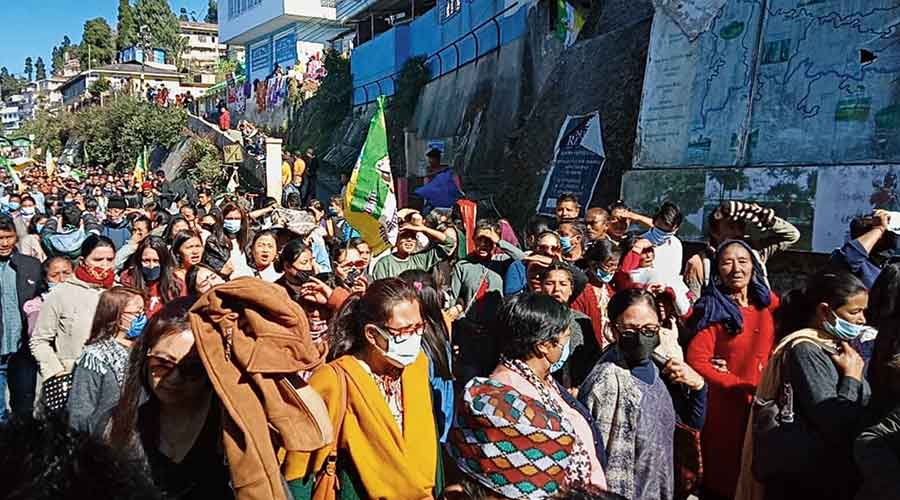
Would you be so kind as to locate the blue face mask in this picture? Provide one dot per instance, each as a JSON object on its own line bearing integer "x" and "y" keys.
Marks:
{"x": 151, "y": 273}
{"x": 566, "y": 243}
{"x": 39, "y": 228}
{"x": 657, "y": 236}
{"x": 13, "y": 205}
{"x": 137, "y": 327}
{"x": 232, "y": 226}
{"x": 563, "y": 357}
{"x": 50, "y": 286}
{"x": 843, "y": 329}
{"x": 603, "y": 275}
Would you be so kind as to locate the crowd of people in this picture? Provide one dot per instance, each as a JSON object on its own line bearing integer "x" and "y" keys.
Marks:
{"x": 208, "y": 348}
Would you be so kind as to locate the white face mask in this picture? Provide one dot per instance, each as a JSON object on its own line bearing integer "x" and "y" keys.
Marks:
{"x": 401, "y": 354}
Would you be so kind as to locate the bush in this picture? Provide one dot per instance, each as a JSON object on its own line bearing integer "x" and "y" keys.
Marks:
{"x": 202, "y": 165}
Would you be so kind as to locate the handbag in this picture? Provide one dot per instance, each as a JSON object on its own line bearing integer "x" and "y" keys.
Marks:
{"x": 327, "y": 483}
{"x": 783, "y": 444}
{"x": 688, "y": 461}
{"x": 55, "y": 392}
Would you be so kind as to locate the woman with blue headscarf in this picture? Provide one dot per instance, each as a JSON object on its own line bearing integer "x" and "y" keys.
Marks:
{"x": 735, "y": 335}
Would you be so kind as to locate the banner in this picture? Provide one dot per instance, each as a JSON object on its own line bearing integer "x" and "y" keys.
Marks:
{"x": 370, "y": 205}
{"x": 140, "y": 168}
{"x": 578, "y": 160}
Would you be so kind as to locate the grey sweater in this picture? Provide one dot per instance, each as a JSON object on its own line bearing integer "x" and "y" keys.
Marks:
{"x": 96, "y": 385}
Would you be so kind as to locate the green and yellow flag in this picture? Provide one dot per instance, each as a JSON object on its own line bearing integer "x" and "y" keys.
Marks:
{"x": 370, "y": 205}
{"x": 140, "y": 168}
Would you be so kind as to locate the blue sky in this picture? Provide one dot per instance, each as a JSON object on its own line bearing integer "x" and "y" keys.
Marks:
{"x": 33, "y": 27}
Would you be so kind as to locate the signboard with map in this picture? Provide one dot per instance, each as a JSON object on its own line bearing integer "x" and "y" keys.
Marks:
{"x": 577, "y": 162}
{"x": 802, "y": 82}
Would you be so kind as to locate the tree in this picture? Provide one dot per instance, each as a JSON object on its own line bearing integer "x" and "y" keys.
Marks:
{"x": 212, "y": 12}
{"x": 96, "y": 44}
{"x": 39, "y": 69}
{"x": 162, "y": 22}
{"x": 29, "y": 68}
{"x": 56, "y": 61}
{"x": 126, "y": 29}
{"x": 9, "y": 84}
{"x": 99, "y": 86}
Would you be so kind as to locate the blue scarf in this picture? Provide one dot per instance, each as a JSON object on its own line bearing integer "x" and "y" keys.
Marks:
{"x": 657, "y": 236}
{"x": 715, "y": 306}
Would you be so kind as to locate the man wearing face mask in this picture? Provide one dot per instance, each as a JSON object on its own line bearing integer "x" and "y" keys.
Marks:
{"x": 117, "y": 227}
{"x": 666, "y": 245}
{"x": 571, "y": 239}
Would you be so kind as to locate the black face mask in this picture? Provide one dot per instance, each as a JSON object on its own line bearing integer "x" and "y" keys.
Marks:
{"x": 301, "y": 277}
{"x": 637, "y": 349}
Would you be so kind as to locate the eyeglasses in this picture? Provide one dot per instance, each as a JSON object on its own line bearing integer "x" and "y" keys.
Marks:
{"x": 191, "y": 368}
{"x": 401, "y": 335}
{"x": 646, "y": 331}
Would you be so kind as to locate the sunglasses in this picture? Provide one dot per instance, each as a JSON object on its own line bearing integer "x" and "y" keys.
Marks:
{"x": 190, "y": 368}
{"x": 356, "y": 264}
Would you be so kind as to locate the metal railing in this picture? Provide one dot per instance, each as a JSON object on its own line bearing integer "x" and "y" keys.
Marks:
{"x": 473, "y": 33}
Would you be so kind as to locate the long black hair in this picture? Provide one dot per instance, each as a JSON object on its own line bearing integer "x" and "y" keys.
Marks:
{"x": 374, "y": 307}
{"x": 437, "y": 337}
{"x": 168, "y": 285}
{"x": 884, "y": 314}
{"x": 171, "y": 319}
{"x": 798, "y": 307}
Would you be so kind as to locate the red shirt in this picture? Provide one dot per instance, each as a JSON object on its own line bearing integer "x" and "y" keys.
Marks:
{"x": 731, "y": 393}
{"x": 225, "y": 120}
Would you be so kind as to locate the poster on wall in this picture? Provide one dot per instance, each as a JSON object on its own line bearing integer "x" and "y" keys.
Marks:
{"x": 839, "y": 201}
{"x": 260, "y": 61}
{"x": 645, "y": 190}
{"x": 578, "y": 159}
{"x": 790, "y": 191}
{"x": 286, "y": 50}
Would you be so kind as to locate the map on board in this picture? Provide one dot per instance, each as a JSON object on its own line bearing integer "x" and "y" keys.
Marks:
{"x": 797, "y": 82}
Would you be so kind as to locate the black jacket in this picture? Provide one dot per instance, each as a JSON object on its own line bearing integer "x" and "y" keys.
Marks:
{"x": 28, "y": 276}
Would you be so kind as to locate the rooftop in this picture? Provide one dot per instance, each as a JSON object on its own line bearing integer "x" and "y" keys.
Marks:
{"x": 210, "y": 27}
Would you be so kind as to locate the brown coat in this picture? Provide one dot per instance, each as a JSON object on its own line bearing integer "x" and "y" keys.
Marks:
{"x": 253, "y": 341}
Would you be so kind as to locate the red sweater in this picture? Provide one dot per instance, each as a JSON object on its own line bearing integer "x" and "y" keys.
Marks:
{"x": 731, "y": 393}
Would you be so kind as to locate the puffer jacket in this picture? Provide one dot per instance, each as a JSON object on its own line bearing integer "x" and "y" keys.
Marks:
{"x": 254, "y": 342}
{"x": 64, "y": 325}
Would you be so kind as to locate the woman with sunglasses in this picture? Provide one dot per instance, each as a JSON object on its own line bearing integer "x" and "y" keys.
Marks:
{"x": 637, "y": 404}
{"x": 387, "y": 443}
{"x": 100, "y": 371}
{"x": 349, "y": 268}
{"x": 168, "y": 414}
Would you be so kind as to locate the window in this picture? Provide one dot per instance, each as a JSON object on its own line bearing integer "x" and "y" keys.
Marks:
{"x": 238, "y": 7}
{"x": 201, "y": 38}
{"x": 449, "y": 8}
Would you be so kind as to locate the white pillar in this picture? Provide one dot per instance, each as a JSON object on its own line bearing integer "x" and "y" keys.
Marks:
{"x": 273, "y": 168}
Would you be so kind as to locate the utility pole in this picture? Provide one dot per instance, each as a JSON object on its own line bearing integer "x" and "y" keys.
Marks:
{"x": 145, "y": 43}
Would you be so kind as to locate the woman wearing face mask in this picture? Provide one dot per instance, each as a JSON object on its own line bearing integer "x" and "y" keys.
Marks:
{"x": 151, "y": 269}
{"x": 735, "y": 325}
{"x": 318, "y": 299}
{"x": 64, "y": 323}
{"x": 557, "y": 282}
{"x": 168, "y": 414}
{"x": 236, "y": 229}
{"x": 30, "y": 244}
{"x": 602, "y": 259}
{"x": 187, "y": 248}
{"x": 637, "y": 404}
{"x": 100, "y": 371}
{"x": 263, "y": 255}
{"x": 534, "y": 338}
{"x": 54, "y": 271}
{"x": 387, "y": 443}
{"x": 830, "y": 392}
{"x": 177, "y": 225}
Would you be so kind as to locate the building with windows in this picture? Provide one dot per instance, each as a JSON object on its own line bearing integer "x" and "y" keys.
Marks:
{"x": 280, "y": 32}
{"x": 130, "y": 78}
{"x": 9, "y": 117}
{"x": 204, "y": 53}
